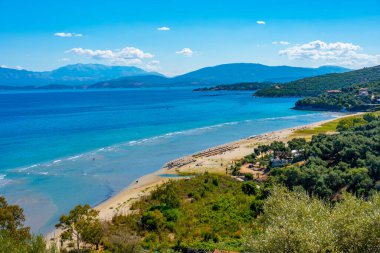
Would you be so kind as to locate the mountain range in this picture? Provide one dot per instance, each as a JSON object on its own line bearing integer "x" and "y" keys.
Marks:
{"x": 251, "y": 72}
{"x": 76, "y": 74}
{"x": 98, "y": 76}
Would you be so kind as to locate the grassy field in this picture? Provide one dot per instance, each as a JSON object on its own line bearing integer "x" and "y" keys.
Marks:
{"x": 329, "y": 127}
{"x": 326, "y": 128}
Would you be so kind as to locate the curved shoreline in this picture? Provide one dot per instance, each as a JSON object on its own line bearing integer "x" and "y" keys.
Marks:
{"x": 210, "y": 160}
{"x": 118, "y": 203}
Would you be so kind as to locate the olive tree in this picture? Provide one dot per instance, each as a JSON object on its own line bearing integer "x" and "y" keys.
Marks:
{"x": 296, "y": 222}
{"x": 81, "y": 225}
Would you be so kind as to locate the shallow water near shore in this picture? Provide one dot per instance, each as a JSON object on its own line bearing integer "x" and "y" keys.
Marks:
{"x": 59, "y": 149}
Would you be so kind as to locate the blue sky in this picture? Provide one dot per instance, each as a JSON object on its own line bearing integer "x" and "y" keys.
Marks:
{"x": 43, "y": 35}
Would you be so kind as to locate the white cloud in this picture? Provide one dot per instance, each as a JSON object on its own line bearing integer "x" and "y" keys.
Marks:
{"x": 281, "y": 42}
{"x": 3, "y": 66}
{"x": 153, "y": 66}
{"x": 339, "y": 53}
{"x": 19, "y": 68}
{"x": 260, "y": 22}
{"x": 62, "y": 34}
{"x": 164, "y": 28}
{"x": 65, "y": 59}
{"x": 125, "y": 56}
{"x": 186, "y": 52}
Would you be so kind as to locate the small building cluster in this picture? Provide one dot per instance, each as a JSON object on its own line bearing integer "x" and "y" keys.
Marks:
{"x": 333, "y": 91}
{"x": 363, "y": 92}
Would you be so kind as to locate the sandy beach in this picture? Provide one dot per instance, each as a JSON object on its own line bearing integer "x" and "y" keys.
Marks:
{"x": 214, "y": 160}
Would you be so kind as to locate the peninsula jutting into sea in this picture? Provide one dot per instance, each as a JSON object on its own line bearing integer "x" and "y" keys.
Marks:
{"x": 193, "y": 127}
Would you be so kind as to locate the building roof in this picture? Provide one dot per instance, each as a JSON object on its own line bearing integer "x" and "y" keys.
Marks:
{"x": 334, "y": 91}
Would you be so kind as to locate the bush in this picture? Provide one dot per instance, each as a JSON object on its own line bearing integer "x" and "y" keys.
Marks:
{"x": 248, "y": 176}
{"x": 249, "y": 188}
{"x": 296, "y": 222}
{"x": 153, "y": 220}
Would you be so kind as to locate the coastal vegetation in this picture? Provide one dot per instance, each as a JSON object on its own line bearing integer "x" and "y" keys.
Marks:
{"x": 320, "y": 194}
{"x": 15, "y": 237}
{"x": 81, "y": 226}
{"x": 329, "y": 127}
{"x": 365, "y": 97}
{"x": 357, "y": 90}
{"x": 309, "y": 86}
{"x": 330, "y": 164}
{"x": 314, "y": 86}
{"x": 206, "y": 212}
{"x": 237, "y": 86}
{"x": 347, "y": 161}
{"x": 294, "y": 221}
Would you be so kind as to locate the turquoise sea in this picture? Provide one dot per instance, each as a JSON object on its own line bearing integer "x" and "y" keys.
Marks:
{"x": 62, "y": 148}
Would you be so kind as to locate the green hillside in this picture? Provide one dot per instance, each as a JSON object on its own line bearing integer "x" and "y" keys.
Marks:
{"x": 364, "y": 97}
{"x": 237, "y": 86}
{"x": 314, "y": 86}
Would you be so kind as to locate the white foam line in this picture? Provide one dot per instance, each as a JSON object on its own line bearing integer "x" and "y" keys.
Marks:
{"x": 3, "y": 180}
{"x": 116, "y": 147}
{"x": 301, "y": 115}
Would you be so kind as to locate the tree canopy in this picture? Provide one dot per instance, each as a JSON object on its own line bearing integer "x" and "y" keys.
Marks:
{"x": 81, "y": 225}
{"x": 295, "y": 222}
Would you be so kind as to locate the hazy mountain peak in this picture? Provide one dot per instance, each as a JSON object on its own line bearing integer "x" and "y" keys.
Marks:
{"x": 254, "y": 72}
{"x": 72, "y": 74}
{"x": 79, "y": 74}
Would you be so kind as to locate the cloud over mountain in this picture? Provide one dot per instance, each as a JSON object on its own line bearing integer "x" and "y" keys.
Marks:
{"x": 341, "y": 53}
{"x": 125, "y": 56}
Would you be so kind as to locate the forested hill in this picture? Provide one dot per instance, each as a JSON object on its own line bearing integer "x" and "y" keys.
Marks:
{"x": 314, "y": 86}
{"x": 252, "y": 72}
{"x": 364, "y": 97}
{"x": 237, "y": 86}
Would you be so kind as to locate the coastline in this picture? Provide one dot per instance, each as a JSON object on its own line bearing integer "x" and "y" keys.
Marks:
{"x": 213, "y": 160}
{"x": 120, "y": 203}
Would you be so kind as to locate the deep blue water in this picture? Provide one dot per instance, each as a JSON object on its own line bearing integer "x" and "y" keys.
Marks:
{"x": 58, "y": 149}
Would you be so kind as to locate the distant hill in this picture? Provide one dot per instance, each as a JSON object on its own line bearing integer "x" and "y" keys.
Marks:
{"x": 363, "y": 97}
{"x": 77, "y": 74}
{"x": 14, "y": 77}
{"x": 122, "y": 76}
{"x": 133, "y": 82}
{"x": 252, "y": 72}
{"x": 237, "y": 86}
{"x": 314, "y": 86}
{"x": 226, "y": 73}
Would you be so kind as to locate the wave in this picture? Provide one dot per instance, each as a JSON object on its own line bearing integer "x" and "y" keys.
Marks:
{"x": 75, "y": 157}
{"x": 184, "y": 132}
{"x": 331, "y": 114}
{"x": 3, "y": 180}
{"x": 63, "y": 164}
